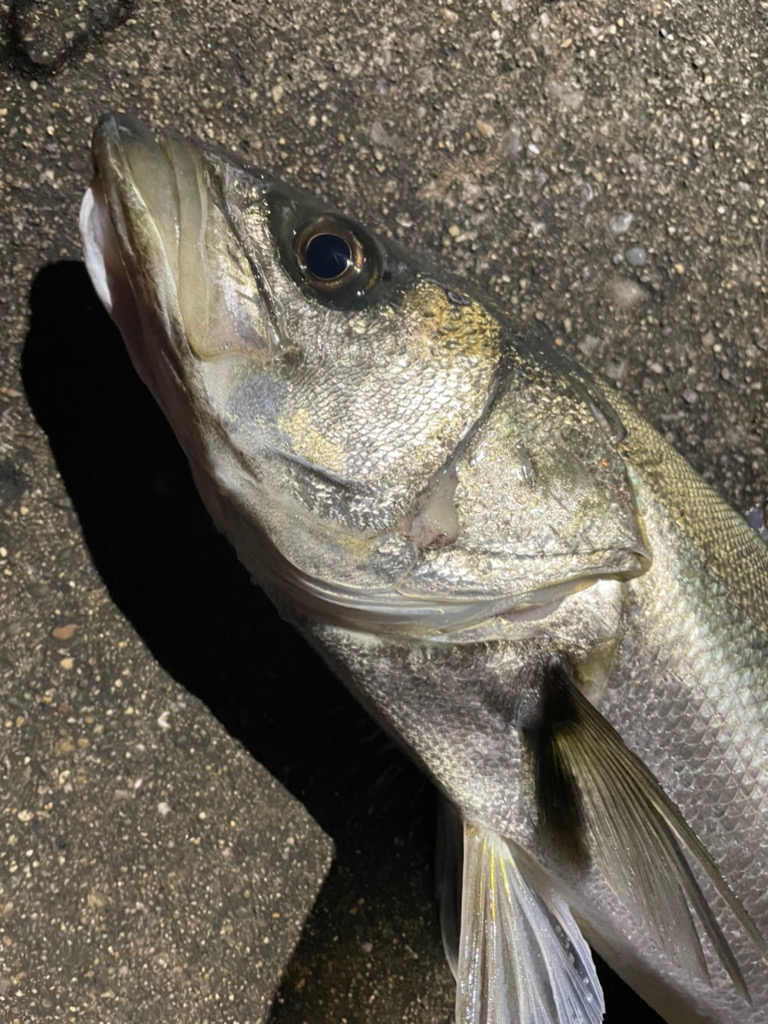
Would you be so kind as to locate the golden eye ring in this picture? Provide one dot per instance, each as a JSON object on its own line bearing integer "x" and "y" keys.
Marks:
{"x": 332, "y": 258}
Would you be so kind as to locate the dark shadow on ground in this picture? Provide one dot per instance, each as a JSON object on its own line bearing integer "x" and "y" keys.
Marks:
{"x": 168, "y": 569}
{"x": 178, "y": 581}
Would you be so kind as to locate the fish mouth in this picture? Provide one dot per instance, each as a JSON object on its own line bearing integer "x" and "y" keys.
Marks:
{"x": 163, "y": 253}
{"x": 129, "y": 223}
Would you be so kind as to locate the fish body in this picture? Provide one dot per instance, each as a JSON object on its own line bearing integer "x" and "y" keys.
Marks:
{"x": 526, "y": 586}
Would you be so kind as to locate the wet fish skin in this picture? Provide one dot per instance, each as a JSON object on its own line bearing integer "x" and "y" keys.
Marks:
{"x": 477, "y": 535}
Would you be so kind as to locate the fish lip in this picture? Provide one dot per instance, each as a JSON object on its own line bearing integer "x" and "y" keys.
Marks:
{"x": 106, "y": 137}
{"x": 147, "y": 178}
{"x": 112, "y": 163}
{"x": 113, "y": 215}
{"x": 115, "y": 196}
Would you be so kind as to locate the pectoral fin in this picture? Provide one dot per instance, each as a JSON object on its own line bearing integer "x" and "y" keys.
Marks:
{"x": 521, "y": 954}
{"x": 639, "y": 839}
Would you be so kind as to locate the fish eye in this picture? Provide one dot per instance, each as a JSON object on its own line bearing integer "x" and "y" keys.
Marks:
{"x": 336, "y": 257}
{"x": 327, "y": 257}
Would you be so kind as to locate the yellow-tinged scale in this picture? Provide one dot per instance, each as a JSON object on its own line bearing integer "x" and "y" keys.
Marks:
{"x": 465, "y": 328}
{"x": 304, "y": 437}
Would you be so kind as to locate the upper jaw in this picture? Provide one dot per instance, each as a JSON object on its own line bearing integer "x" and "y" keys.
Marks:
{"x": 150, "y": 222}
{"x": 129, "y": 217}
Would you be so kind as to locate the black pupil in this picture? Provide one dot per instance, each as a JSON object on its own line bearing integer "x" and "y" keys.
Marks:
{"x": 327, "y": 256}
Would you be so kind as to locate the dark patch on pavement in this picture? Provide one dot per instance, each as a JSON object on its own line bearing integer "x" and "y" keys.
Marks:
{"x": 46, "y": 35}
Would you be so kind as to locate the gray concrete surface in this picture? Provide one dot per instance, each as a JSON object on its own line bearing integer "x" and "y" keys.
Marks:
{"x": 600, "y": 167}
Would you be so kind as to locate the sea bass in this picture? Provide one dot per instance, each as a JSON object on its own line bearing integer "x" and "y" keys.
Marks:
{"x": 558, "y": 620}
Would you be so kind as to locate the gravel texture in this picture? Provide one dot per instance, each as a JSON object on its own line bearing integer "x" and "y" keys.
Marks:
{"x": 601, "y": 168}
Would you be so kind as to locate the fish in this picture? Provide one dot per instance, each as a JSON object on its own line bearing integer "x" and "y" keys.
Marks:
{"x": 532, "y": 592}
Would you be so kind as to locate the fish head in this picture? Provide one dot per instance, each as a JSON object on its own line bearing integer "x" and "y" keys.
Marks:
{"x": 337, "y": 400}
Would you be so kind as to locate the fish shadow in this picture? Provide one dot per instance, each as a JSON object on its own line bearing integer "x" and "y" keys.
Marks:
{"x": 178, "y": 581}
{"x": 168, "y": 569}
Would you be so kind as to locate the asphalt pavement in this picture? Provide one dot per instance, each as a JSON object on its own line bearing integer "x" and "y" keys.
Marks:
{"x": 176, "y": 768}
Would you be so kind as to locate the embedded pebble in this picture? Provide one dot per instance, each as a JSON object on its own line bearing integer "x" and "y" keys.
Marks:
{"x": 636, "y": 256}
{"x": 64, "y": 632}
{"x": 620, "y": 223}
{"x": 625, "y": 293}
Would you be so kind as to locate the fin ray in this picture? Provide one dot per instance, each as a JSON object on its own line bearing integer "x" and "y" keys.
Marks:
{"x": 522, "y": 957}
{"x": 639, "y": 839}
